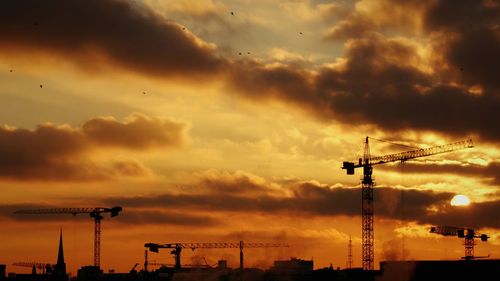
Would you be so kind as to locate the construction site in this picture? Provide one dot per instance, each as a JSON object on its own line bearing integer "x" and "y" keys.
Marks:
{"x": 468, "y": 267}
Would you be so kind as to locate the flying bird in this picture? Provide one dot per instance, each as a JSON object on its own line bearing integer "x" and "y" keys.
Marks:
{"x": 300, "y": 32}
{"x": 239, "y": 53}
{"x": 41, "y": 86}
{"x": 232, "y": 13}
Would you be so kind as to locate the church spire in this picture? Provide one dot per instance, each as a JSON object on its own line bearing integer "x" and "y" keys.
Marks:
{"x": 60, "y": 267}
{"x": 60, "y": 254}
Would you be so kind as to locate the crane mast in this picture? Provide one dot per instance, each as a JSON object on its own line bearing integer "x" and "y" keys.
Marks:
{"x": 367, "y": 184}
{"x": 95, "y": 213}
{"x": 177, "y": 248}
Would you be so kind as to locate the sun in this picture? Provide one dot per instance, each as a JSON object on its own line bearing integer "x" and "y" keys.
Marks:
{"x": 460, "y": 200}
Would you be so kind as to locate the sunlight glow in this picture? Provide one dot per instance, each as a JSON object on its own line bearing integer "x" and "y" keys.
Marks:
{"x": 460, "y": 200}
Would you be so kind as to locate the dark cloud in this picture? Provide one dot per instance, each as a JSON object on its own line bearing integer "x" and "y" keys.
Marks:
{"x": 140, "y": 132}
{"x": 381, "y": 81}
{"x": 295, "y": 199}
{"x": 380, "y": 84}
{"x": 304, "y": 199}
{"x": 476, "y": 215}
{"x": 124, "y": 32}
{"x": 460, "y": 14}
{"x": 489, "y": 173}
{"x": 459, "y": 98}
{"x": 390, "y": 203}
{"x": 468, "y": 35}
{"x": 57, "y": 152}
{"x": 307, "y": 199}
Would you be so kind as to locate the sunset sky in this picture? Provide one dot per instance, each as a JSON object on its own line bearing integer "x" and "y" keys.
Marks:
{"x": 220, "y": 121}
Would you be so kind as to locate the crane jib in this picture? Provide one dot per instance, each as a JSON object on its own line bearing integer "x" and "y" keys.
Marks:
{"x": 407, "y": 155}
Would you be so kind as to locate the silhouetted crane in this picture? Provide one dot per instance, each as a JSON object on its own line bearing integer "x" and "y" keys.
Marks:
{"x": 461, "y": 232}
{"x": 43, "y": 267}
{"x": 367, "y": 185}
{"x": 94, "y": 213}
{"x": 177, "y": 248}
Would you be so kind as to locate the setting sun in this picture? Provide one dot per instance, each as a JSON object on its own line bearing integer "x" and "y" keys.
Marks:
{"x": 460, "y": 200}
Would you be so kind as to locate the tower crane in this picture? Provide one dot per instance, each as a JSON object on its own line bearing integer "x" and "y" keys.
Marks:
{"x": 94, "y": 213}
{"x": 44, "y": 267}
{"x": 461, "y": 232}
{"x": 177, "y": 248}
{"x": 367, "y": 184}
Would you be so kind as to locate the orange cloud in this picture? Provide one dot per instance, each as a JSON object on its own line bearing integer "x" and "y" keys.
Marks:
{"x": 52, "y": 152}
{"x": 379, "y": 82}
{"x": 209, "y": 199}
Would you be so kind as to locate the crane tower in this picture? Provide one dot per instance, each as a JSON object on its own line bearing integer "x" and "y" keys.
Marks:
{"x": 367, "y": 184}
{"x": 94, "y": 213}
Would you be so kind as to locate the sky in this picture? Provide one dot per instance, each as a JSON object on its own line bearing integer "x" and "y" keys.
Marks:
{"x": 221, "y": 121}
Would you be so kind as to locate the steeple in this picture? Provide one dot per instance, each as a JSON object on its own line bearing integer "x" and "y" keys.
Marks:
{"x": 60, "y": 267}
{"x": 60, "y": 254}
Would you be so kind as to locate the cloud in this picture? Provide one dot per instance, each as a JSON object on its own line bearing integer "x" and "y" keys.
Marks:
{"x": 128, "y": 216}
{"x": 352, "y": 28}
{"x": 203, "y": 10}
{"x": 122, "y": 32}
{"x": 52, "y": 152}
{"x": 368, "y": 16}
{"x": 408, "y": 205}
{"x": 297, "y": 199}
{"x": 380, "y": 83}
{"x": 476, "y": 215}
{"x": 303, "y": 199}
{"x": 489, "y": 173}
{"x": 138, "y": 132}
{"x": 393, "y": 83}
{"x": 469, "y": 38}
{"x": 138, "y": 216}
{"x": 238, "y": 182}
{"x": 464, "y": 33}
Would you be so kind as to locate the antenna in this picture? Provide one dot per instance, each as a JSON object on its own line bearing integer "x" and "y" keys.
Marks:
{"x": 349, "y": 254}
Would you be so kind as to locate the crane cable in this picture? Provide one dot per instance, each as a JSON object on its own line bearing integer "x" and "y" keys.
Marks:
{"x": 394, "y": 143}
